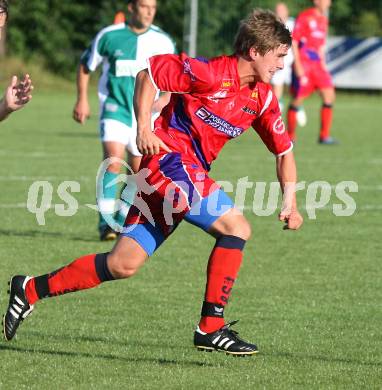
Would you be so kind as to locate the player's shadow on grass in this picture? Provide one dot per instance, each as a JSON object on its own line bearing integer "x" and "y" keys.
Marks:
{"x": 39, "y": 233}
{"x": 162, "y": 361}
{"x": 319, "y": 358}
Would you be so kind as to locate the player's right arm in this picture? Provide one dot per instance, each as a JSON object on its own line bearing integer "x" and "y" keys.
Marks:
{"x": 89, "y": 61}
{"x": 166, "y": 73}
{"x": 144, "y": 95}
{"x": 81, "y": 110}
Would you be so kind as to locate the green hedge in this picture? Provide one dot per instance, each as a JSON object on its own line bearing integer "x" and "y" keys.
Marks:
{"x": 55, "y": 32}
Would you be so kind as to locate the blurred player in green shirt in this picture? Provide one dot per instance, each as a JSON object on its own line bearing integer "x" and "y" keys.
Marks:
{"x": 123, "y": 50}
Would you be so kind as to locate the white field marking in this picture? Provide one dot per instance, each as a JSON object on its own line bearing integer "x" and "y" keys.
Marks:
{"x": 24, "y": 206}
{"x": 366, "y": 187}
{"x": 365, "y": 207}
{"x": 309, "y": 160}
{"x": 353, "y": 107}
{"x": 40, "y": 178}
{"x": 12, "y": 153}
{"x": 376, "y": 161}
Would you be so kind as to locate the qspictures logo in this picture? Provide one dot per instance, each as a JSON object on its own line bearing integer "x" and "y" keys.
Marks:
{"x": 260, "y": 198}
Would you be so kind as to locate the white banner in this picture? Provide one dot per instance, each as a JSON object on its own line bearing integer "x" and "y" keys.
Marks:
{"x": 355, "y": 63}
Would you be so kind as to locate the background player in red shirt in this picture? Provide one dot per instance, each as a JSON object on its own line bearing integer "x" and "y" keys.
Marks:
{"x": 309, "y": 69}
{"x": 213, "y": 101}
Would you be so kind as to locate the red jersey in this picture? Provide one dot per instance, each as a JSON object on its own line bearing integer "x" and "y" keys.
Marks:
{"x": 310, "y": 33}
{"x": 209, "y": 107}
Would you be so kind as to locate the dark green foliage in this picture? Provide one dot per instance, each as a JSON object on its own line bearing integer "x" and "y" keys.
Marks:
{"x": 56, "y": 32}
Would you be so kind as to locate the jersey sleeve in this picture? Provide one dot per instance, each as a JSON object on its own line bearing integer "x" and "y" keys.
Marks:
{"x": 93, "y": 55}
{"x": 271, "y": 128}
{"x": 181, "y": 74}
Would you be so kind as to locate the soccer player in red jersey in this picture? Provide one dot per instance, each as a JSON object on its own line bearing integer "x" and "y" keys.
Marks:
{"x": 212, "y": 102}
{"x": 309, "y": 70}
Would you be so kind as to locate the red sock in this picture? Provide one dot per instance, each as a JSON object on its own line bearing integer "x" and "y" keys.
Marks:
{"x": 85, "y": 272}
{"x": 326, "y": 120}
{"x": 292, "y": 122}
{"x": 223, "y": 267}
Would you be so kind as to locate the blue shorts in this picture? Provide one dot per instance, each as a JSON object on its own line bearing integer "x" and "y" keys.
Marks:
{"x": 202, "y": 214}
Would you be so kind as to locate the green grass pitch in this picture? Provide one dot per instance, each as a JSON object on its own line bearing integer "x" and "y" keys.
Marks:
{"x": 310, "y": 299}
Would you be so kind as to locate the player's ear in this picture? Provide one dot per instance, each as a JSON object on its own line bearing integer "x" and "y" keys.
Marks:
{"x": 253, "y": 53}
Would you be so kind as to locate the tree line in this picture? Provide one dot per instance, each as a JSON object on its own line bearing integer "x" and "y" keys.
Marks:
{"x": 55, "y": 32}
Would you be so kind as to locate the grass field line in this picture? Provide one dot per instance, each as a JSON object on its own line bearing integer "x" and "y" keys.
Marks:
{"x": 362, "y": 187}
{"x": 12, "y": 153}
{"x": 43, "y": 178}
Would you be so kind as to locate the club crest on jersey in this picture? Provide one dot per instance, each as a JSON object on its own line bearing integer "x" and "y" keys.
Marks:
{"x": 255, "y": 94}
{"x": 278, "y": 126}
{"x": 227, "y": 83}
{"x": 218, "y": 123}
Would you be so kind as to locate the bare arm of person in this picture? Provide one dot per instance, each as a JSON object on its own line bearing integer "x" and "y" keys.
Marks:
{"x": 81, "y": 110}
{"x": 161, "y": 102}
{"x": 287, "y": 175}
{"x": 144, "y": 95}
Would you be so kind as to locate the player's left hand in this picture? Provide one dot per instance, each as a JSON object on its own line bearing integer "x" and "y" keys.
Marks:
{"x": 292, "y": 218}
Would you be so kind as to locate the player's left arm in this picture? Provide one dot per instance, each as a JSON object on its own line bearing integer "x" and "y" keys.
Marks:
{"x": 270, "y": 126}
{"x": 287, "y": 175}
{"x": 16, "y": 96}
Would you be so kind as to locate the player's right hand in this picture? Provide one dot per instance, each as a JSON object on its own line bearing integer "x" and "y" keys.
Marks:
{"x": 149, "y": 144}
{"x": 81, "y": 111}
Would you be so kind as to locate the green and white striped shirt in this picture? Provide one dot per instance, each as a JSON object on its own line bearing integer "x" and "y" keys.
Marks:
{"x": 123, "y": 54}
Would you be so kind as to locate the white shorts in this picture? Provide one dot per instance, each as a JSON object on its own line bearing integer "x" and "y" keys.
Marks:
{"x": 112, "y": 130}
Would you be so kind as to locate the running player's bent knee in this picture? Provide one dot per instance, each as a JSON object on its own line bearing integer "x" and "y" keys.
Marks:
{"x": 239, "y": 227}
{"x": 120, "y": 266}
{"x": 245, "y": 230}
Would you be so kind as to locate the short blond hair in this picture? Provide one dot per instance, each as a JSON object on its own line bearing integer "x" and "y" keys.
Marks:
{"x": 263, "y": 30}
